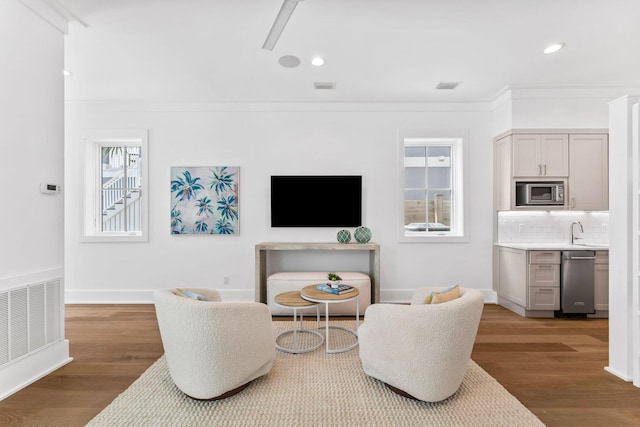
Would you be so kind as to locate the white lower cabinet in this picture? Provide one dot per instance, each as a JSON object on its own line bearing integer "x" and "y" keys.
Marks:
{"x": 528, "y": 281}
{"x": 601, "y": 296}
{"x": 543, "y": 298}
{"x": 543, "y": 283}
{"x": 512, "y": 275}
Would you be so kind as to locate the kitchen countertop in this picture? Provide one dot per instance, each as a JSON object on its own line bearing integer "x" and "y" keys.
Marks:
{"x": 556, "y": 246}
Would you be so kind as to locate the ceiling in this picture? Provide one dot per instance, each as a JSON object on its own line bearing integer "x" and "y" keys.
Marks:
{"x": 375, "y": 50}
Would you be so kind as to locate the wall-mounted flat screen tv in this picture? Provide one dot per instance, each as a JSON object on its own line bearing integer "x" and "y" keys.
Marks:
{"x": 316, "y": 201}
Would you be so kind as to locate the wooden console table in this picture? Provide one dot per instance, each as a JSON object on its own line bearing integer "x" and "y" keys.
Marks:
{"x": 263, "y": 248}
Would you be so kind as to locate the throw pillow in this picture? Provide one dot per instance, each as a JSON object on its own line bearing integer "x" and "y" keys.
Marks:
{"x": 448, "y": 295}
{"x": 443, "y": 296}
{"x": 188, "y": 294}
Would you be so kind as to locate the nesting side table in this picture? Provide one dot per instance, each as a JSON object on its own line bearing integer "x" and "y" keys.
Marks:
{"x": 312, "y": 294}
{"x": 294, "y": 300}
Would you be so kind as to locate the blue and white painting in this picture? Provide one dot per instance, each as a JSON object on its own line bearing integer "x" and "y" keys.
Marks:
{"x": 204, "y": 200}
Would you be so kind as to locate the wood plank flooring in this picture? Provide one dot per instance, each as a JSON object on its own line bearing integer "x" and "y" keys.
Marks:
{"x": 553, "y": 366}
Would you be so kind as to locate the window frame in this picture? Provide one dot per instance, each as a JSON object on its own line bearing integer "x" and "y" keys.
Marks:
{"x": 458, "y": 140}
{"x": 93, "y": 141}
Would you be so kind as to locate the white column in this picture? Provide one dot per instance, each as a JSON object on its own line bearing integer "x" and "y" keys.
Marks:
{"x": 621, "y": 238}
{"x": 635, "y": 291}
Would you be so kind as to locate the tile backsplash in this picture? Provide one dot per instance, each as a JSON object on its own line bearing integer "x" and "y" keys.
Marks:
{"x": 552, "y": 226}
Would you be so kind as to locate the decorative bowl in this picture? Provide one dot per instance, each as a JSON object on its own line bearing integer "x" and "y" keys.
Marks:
{"x": 334, "y": 283}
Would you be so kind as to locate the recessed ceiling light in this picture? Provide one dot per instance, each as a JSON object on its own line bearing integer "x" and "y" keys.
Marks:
{"x": 289, "y": 61}
{"x": 67, "y": 73}
{"x": 317, "y": 61}
{"x": 553, "y": 48}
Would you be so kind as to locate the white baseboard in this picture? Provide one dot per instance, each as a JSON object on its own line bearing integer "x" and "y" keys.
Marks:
{"x": 19, "y": 374}
{"x": 141, "y": 296}
{"x": 618, "y": 374}
{"x": 392, "y": 296}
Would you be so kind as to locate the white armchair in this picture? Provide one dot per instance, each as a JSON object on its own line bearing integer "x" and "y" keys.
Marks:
{"x": 213, "y": 348}
{"x": 421, "y": 350}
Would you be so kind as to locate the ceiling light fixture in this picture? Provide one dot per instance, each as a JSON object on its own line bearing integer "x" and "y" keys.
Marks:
{"x": 278, "y": 25}
{"x": 317, "y": 61}
{"x": 66, "y": 72}
{"x": 554, "y": 47}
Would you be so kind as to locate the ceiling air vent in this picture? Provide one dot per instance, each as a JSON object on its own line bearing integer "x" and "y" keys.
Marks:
{"x": 324, "y": 85}
{"x": 447, "y": 85}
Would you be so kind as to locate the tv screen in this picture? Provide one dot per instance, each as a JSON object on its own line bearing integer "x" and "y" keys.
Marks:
{"x": 316, "y": 201}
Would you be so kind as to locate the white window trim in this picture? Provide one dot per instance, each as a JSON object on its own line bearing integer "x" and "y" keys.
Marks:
{"x": 461, "y": 156}
{"x": 91, "y": 139}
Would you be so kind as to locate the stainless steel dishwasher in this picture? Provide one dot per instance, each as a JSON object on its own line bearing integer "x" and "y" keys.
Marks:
{"x": 577, "y": 282}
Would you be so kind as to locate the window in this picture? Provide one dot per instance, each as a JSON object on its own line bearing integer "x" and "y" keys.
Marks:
{"x": 115, "y": 180}
{"x": 433, "y": 204}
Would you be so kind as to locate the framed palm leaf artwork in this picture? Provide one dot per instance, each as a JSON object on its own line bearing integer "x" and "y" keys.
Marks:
{"x": 204, "y": 200}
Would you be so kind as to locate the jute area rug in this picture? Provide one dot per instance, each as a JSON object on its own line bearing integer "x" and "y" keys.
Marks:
{"x": 314, "y": 389}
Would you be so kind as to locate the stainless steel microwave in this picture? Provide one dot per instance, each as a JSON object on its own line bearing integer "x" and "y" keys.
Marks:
{"x": 540, "y": 193}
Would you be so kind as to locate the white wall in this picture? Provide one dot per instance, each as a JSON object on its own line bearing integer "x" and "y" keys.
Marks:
{"x": 502, "y": 112}
{"x": 266, "y": 139}
{"x": 31, "y": 134}
{"x": 32, "y": 141}
{"x": 554, "y": 108}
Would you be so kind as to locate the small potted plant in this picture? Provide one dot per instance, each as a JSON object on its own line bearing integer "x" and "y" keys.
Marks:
{"x": 334, "y": 279}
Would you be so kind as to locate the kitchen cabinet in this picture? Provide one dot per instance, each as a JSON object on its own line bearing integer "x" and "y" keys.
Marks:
{"x": 528, "y": 281}
{"x": 512, "y": 275}
{"x": 588, "y": 185}
{"x": 577, "y": 158}
{"x": 543, "y": 282}
{"x": 541, "y": 155}
{"x": 601, "y": 295}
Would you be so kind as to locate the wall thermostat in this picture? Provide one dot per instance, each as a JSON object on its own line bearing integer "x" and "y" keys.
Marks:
{"x": 49, "y": 188}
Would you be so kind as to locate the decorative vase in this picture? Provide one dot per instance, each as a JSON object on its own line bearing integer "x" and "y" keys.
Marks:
{"x": 344, "y": 236}
{"x": 362, "y": 234}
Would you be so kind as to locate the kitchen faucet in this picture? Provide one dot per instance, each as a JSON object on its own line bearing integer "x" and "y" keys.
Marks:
{"x": 573, "y": 238}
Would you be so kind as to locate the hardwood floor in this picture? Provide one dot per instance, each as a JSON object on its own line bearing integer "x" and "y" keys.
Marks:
{"x": 553, "y": 366}
{"x": 111, "y": 346}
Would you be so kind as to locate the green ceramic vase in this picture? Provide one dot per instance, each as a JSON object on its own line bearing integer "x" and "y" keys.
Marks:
{"x": 344, "y": 236}
{"x": 362, "y": 234}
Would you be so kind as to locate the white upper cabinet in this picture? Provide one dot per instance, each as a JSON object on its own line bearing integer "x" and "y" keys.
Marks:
{"x": 588, "y": 172}
{"x": 579, "y": 158}
{"x": 541, "y": 155}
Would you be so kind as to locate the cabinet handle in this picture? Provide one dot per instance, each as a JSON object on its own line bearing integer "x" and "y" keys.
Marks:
{"x": 539, "y": 170}
{"x": 545, "y": 266}
{"x": 573, "y": 202}
{"x": 545, "y": 170}
{"x": 545, "y": 290}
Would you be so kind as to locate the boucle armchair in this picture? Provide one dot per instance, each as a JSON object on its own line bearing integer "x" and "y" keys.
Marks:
{"x": 213, "y": 348}
{"x": 421, "y": 350}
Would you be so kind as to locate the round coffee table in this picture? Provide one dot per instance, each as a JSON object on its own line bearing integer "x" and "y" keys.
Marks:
{"x": 311, "y": 293}
{"x": 294, "y": 301}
